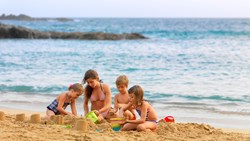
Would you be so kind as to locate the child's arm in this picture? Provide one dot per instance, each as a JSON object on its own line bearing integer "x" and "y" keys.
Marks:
{"x": 132, "y": 110}
{"x": 116, "y": 103}
{"x": 61, "y": 101}
{"x": 73, "y": 107}
{"x": 143, "y": 115}
{"x": 127, "y": 106}
{"x": 85, "y": 105}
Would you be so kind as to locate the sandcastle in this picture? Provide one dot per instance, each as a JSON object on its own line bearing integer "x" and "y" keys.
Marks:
{"x": 53, "y": 118}
{"x": 20, "y": 117}
{"x": 2, "y": 116}
{"x": 35, "y": 118}
{"x": 81, "y": 125}
{"x": 62, "y": 119}
{"x": 59, "y": 119}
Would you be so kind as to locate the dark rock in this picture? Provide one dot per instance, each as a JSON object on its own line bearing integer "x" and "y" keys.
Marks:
{"x": 9, "y": 31}
{"x": 23, "y": 17}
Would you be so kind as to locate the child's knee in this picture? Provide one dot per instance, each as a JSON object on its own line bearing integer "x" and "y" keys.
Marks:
{"x": 128, "y": 115}
{"x": 141, "y": 128}
{"x": 124, "y": 128}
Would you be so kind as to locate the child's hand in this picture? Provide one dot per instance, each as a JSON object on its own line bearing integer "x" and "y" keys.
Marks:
{"x": 124, "y": 121}
{"x": 96, "y": 112}
{"x": 111, "y": 112}
{"x": 100, "y": 119}
{"x": 72, "y": 115}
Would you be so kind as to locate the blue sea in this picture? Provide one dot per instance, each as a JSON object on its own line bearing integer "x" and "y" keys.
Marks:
{"x": 197, "y": 70}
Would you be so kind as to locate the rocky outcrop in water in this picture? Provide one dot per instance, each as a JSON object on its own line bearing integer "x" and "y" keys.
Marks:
{"x": 10, "y": 31}
{"x": 23, "y": 17}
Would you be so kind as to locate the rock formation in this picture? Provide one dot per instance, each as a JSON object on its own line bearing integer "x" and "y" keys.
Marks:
{"x": 10, "y": 31}
{"x": 23, "y": 17}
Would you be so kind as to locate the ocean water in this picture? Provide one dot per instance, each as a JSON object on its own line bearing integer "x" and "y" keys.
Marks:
{"x": 197, "y": 70}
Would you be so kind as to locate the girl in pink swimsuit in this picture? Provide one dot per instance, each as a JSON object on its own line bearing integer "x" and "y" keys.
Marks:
{"x": 98, "y": 93}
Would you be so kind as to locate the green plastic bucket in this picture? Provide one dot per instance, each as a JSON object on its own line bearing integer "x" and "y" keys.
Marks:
{"x": 92, "y": 116}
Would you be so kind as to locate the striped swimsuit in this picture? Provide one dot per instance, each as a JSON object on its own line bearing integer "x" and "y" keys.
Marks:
{"x": 139, "y": 112}
{"x": 53, "y": 106}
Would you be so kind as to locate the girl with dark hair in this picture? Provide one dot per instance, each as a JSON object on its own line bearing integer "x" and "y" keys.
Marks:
{"x": 98, "y": 93}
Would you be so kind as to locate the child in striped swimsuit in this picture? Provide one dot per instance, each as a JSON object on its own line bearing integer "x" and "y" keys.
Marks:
{"x": 148, "y": 116}
{"x": 59, "y": 105}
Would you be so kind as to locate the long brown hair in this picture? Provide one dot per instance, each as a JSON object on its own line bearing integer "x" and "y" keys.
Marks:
{"x": 138, "y": 92}
{"x": 89, "y": 74}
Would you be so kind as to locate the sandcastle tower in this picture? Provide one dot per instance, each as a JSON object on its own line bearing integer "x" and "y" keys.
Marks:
{"x": 20, "y": 117}
{"x": 53, "y": 118}
{"x": 35, "y": 118}
{"x": 2, "y": 116}
{"x": 81, "y": 125}
{"x": 59, "y": 119}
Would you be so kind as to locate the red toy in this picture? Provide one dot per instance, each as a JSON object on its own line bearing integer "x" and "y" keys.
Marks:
{"x": 169, "y": 119}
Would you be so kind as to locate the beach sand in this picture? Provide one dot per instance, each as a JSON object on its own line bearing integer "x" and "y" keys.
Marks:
{"x": 10, "y": 130}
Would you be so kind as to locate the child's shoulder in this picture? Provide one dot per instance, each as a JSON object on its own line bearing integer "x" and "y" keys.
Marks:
{"x": 62, "y": 95}
{"x": 118, "y": 95}
{"x": 146, "y": 103}
{"x": 105, "y": 85}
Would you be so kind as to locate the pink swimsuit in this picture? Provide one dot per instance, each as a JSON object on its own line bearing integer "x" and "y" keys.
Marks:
{"x": 101, "y": 98}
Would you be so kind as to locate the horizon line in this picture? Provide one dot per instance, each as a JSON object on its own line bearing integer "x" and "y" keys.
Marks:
{"x": 142, "y": 17}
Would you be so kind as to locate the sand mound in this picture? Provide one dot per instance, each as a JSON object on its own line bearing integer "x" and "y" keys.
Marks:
{"x": 24, "y": 131}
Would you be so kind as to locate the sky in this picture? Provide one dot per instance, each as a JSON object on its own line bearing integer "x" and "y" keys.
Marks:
{"x": 128, "y": 8}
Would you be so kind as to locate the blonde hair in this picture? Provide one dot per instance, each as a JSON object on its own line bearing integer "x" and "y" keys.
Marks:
{"x": 77, "y": 87}
{"x": 122, "y": 79}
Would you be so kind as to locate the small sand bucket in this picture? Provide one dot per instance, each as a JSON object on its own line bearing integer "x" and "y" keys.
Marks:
{"x": 2, "y": 116}
{"x": 116, "y": 123}
{"x": 92, "y": 116}
{"x": 116, "y": 126}
{"x": 53, "y": 118}
{"x": 20, "y": 117}
{"x": 59, "y": 119}
{"x": 35, "y": 118}
{"x": 81, "y": 125}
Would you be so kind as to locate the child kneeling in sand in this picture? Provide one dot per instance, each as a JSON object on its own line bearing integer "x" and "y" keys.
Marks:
{"x": 121, "y": 99}
{"x": 148, "y": 116}
{"x": 59, "y": 105}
